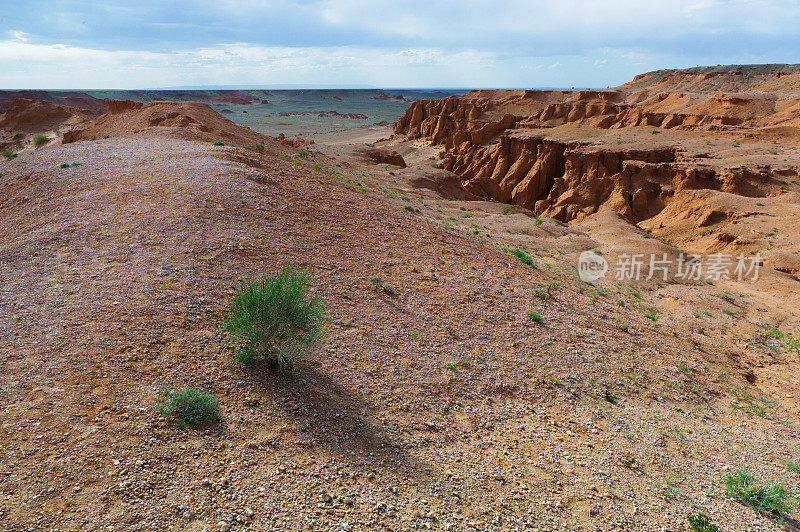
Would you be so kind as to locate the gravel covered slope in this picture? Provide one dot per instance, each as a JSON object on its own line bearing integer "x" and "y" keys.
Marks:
{"x": 442, "y": 407}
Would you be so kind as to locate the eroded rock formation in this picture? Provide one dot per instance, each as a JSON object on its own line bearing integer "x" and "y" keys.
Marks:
{"x": 498, "y": 143}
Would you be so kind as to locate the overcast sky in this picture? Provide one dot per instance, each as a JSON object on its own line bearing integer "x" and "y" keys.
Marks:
{"x": 408, "y": 43}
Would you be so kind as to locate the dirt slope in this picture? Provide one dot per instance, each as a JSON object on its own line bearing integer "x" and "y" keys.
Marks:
{"x": 722, "y": 78}
{"x": 189, "y": 120}
{"x": 34, "y": 116}
{"x": 442, "y": 407}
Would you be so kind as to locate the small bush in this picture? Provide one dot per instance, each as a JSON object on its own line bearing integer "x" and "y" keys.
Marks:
{"x": 64, "y": 165}
{"x": 506, "y": 209}
{"x": 376, "y": 283}
{"x": 40, "y": 139}
{"x": 219, "y": 143}
{"x": 259, "y": 148}
{"x": 389, "y": 289}
{"x": 552, "y": 286}
{"x": 8, "y": 154}
{"x": 701, "y": 523}
{"x": 188, "y": 405}
{"x": 792, "y": 466}
{"x": 18, "y": 135}
{"x": 535, "y": 316}
{"x": 273, "y": 320}
{"x": 775, "y": 499}
{"x": 524, "y": 257}
{"x": 55, "y": 129}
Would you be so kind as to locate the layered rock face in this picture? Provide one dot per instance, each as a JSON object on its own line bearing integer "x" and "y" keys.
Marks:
{"x": 567, "y": 181}
{"x": 487, "y": 141}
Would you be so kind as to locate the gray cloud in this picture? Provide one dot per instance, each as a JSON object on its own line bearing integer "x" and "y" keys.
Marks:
{"x": 470, "y": 42}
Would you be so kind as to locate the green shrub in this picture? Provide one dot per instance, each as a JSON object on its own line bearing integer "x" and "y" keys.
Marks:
{"x": 506, "y": 209}
{"x": 524, "y": 257}
{"x": 727, "y": 297}
{"x": 219, "y": 143}
{"x": 40, "y": 139}
{"x": 535, "y": 316}
{"x": 770, "y": 499}
{"x": 18, "y": 135}
{"x": 55, "y": 129}
{"x": 64, "y": 165}
{"x": 552, "y": 286}
{"x": 390, "y": 289}
{"x": 8, "y": 154}
{"x": 701, "y": 523}
{"x": 792, "y": 466}
{"x": 273, "y": 320}
{"x": 376, "y": 283}
{"x": 259, "y": 147}
{"x": 188, "y": 405}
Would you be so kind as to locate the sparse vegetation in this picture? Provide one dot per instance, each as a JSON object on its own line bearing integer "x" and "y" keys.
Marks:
{"x": 40, "y": 139}
{"x": 8, "y": 154}
{"x": 792, "y": 466}
{"x": 535, "y": 316}
{"x": 701, "y": 523}
{"x": 727, "y": 297}
{"x": 188, "y": 405}
{"x": 18, "y": 135}
{"x": 274, "y": 320}
{"x": 376, "y": 283}
{"x": 774, "y": 499}
{"x": 524, "y": 257}
{"x": 506, "y": 209}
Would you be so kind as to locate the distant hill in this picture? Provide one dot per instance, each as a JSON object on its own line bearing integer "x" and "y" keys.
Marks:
{"x": 780, "y": 78}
